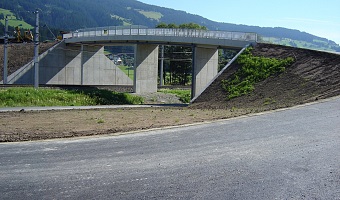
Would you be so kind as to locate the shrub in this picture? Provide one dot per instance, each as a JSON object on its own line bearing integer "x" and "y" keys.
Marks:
{"x": 253, "y": 69}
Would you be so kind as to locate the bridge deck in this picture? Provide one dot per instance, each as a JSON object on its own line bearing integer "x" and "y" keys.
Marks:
{"x": 136, "y": 34}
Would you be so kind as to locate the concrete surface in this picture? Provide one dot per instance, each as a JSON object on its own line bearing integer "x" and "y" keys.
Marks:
{"x": 146, "y": 70}
{"x": 69, "y": 65}
{"x": 205, "y": 68}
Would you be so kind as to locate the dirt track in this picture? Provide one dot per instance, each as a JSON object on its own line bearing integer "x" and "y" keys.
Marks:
{"x": 315, "y": 75}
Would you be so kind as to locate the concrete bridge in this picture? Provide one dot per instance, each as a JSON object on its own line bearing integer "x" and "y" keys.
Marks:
{"x": 79, "y": 59}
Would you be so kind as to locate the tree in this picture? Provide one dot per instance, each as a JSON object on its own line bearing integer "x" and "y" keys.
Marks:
{"x": 192, "y": 26}
{"x": 224, "y": 56}
{"x": 162, "y": 25}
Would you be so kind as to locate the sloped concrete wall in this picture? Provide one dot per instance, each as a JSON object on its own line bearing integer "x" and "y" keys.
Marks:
{"x": 146, "y": 71}
{"x": 205, "y": 68}
{"x": 71, "y": 65}
{"x": 25, "y": 75}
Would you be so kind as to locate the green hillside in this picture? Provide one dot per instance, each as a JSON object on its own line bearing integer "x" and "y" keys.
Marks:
{"x": 316, "y": 44}
{"x": 12, "y": 19}
{"x": 77, "y": 14}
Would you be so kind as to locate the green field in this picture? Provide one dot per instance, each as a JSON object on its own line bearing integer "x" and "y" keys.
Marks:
{"x": 126, "y": 22}
{"x": 151, "y": 15}
{"x": 128, "y": 71}
{"x": 13, "y": 21}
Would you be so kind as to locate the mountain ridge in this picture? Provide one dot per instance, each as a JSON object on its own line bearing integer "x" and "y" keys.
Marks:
{"x": 76, "y": 14}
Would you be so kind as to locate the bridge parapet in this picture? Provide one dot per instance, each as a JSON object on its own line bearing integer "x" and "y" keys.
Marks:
{"x": 161, "y": 32}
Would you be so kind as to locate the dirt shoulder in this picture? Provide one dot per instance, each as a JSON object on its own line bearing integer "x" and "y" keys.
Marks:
{"x": 38, "y": 125}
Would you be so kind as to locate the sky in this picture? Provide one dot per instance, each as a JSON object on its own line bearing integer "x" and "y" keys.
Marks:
{"x": 318, "y": 17}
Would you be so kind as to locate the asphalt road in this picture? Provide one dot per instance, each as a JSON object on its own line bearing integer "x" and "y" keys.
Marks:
{"x": 291, "y": 154}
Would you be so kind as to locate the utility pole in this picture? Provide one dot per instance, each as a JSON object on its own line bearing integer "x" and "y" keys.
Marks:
{"x": 36, "y": 51}
{"x": 5, "y": 52}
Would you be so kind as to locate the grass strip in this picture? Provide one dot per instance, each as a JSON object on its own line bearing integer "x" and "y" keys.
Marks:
{"x": 28, "y": 96}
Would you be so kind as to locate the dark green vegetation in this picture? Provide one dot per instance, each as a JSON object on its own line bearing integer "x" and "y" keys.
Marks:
{"x": 253, "y": 69}
{"x": 182, "y": 26}
{"x": 27, "y": 96}
{"x": 184, "y": 95}
{"x": 77, "y": 14}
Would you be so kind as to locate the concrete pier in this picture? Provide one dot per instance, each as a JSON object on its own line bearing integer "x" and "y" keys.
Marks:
{"x": 205, "y": 68}
{"x": 146, "y": 70}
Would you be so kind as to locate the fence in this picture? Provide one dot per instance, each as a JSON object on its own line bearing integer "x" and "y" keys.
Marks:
{"x": 160, "y": 32}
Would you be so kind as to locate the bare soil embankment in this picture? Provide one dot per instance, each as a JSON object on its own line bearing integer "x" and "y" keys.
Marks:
{"x": 20, "y": 54}
{"x": 314, "y": 75}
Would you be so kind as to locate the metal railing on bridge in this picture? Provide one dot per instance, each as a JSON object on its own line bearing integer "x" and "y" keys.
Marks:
{"x": 144, "y": 31}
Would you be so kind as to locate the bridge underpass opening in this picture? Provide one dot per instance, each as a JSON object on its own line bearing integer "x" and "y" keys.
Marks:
{"x": 142, "y": 64}
{"x": 123, "y": 57}
{"x": 177, "y": 65}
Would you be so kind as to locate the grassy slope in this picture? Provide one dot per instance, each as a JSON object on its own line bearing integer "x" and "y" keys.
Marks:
{"x": 151, "y": 15}
{"x": 300, "y": 44}
{"x": 128, "y": 71}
